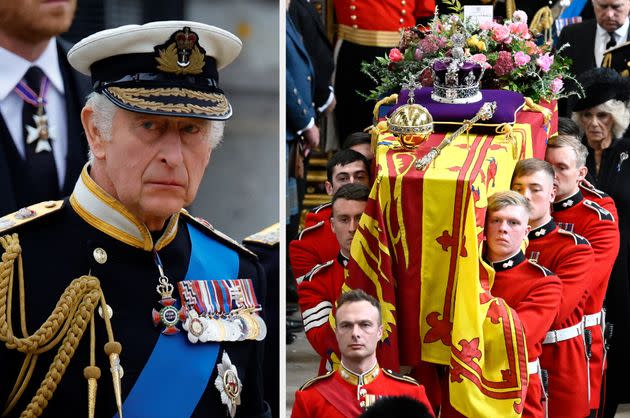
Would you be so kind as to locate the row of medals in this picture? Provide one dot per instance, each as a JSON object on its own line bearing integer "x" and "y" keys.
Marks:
{"x": 238, "y": 325}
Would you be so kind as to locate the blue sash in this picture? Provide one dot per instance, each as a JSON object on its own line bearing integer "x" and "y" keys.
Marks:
{"x": 177, "y": 369}
{"x": 574, "y": 9}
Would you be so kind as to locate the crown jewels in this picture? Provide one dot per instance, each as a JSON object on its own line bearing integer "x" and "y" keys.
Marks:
{"x": 411, "y": 122}
{"x": 456, "y": 80}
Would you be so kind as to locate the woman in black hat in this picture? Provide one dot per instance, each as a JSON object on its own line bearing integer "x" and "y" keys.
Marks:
{"x": 603, "y": 116}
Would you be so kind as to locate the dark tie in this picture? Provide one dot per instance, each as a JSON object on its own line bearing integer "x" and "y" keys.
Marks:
{"x": 611, "y": 42}
{"x": 39, "y": 163}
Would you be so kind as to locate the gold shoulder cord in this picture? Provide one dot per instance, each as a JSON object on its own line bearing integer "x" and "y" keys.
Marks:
{"x": 67, "y": 323}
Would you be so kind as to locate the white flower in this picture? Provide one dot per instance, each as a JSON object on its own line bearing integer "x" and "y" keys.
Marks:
{"x": 519, "y": 16}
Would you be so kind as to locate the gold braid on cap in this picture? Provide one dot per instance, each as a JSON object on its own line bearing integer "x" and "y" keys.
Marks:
{"x": 64, "y": 327}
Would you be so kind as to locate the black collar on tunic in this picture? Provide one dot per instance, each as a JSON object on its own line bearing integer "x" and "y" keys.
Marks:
{"x": 343, "y": 260}
{"x": 508, "y": 263}
{"x": 542, "y": 230}
{"x": 569, "y": 202}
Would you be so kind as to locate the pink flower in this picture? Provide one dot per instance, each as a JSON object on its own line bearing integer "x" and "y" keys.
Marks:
{"x": 556, "y": 85}
{"x": 519, "y": 29}
{"x": 429, "y": 44}
{"x": 501, "y": 34}
{"x": 532, "y": 48}
{"x": 519, "y": 16}
{"x": 480, "y": 59}
{"x": 395, "y": 55}
{"x": 521, "y": 58}
{"x": 504, "y": 64}
{"x": 418, "y": 55}
{"x": 544, "y": 62}
{"x": 486, "y": 25}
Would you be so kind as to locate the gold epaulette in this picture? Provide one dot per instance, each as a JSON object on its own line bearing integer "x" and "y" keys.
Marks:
{"x": 29, "y": 213}
{"x": 211, "y": 230}
{"x": 269, "y": 236}
{"x": 400, "y": 377}
{"x": 316, "y": 379}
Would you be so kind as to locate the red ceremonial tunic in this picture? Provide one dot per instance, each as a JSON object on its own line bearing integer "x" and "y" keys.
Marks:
{"x": 317, "y": 293}
{"x": 601, "y": 198}
{"x": 570, "y": 257}
{"x": 338, "y": 394}
{"x": 598, "y": 226}
{"x": 316, "y": 244}
{"x": 534, "y": 293}
{"x": 383, "y": 15}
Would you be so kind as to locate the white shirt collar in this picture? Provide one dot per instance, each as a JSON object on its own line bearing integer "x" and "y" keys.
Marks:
{"x": 621, "y": 33}
{"x": 13, "y": 67}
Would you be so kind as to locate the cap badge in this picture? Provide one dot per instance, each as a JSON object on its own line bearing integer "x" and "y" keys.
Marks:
{"x": 181, "y": 54}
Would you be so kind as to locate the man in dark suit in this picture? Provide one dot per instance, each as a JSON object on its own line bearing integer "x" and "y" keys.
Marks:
{"x": 38, "y": 163}
{"x": 309, "y": 25}
{"x": 588, "y": 40}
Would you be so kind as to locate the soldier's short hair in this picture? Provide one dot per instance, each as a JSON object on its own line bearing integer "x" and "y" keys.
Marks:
{"x": 357, "y": 138}
{"x": 567, "y": 126}
{"x": 530, "y": 166}
{"x": 345, "y": 157}
{"x": 569, "y": 141}
{"x": 501, "y": 200}
{"x": 359, "y": 295}
{"x": 351, "y": 191}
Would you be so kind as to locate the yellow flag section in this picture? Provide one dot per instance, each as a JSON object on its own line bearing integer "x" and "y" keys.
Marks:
{"x": 416, "y": 250}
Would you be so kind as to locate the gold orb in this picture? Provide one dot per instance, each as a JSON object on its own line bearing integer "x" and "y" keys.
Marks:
{"x": 412, "y": 124}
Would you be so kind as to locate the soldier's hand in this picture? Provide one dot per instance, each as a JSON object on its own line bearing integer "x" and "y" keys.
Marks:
{"x": 311, "y": 139}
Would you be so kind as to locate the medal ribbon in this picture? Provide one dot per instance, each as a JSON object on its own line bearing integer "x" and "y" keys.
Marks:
{"x": 29, "y": 96}
{"x": 185, "y": 362}
{"x": 249, "y": 291}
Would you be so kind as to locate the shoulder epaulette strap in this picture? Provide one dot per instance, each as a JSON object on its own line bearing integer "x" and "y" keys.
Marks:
{"x": 318, "y": 267}
{"x": 29, "y": 213}
{"x": 316, "y": 379}
{"x": 545, "y": 270}
{"x": 310, "y": 228}
{"x": 320, "y": 207}
{"x": 400, "y": 377}
{"x": 596, "y": 192}
{"x": 579, "y": 239}
{"x": 269, "y": 236}
{"x": 207, "y": 228}
{"x": 604, "y": 215}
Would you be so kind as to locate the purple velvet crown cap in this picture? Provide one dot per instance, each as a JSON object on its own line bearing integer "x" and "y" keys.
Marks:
{"x": 508, "y": 104}
{"x": 440, "y": 68}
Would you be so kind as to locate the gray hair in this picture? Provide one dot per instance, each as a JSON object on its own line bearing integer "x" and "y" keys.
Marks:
{"x": 104, "y": 111}
{"x": 617, "y": 109}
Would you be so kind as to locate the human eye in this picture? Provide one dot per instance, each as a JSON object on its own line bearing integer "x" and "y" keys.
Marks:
{"x": 344, "y": 219}
{"x": 191, "y": 129}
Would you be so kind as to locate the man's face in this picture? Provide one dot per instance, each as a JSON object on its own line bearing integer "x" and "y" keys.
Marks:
{"x": 537, "y": 188}
{"x": 153, "y": 164}
{"x": 505, "y": 230}
{"x": 345, "y": 221}
{"x": 354, "y": 172}
{"x": 358, "y": 330}
{"x": 597, "y": 125}
{"x": 568, "y": 175}
{"x": 35, "y": 20}
{"x": 611, "y": 14}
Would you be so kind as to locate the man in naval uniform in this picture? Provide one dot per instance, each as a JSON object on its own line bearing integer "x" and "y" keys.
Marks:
{"x": 571, "y": 211}
{"x": 360, "y": 381}
{"x": 321, "y": 287}
{"x": 316, "y": 244}
{"x": 570, "y": 256}
{"x": 178, "y": 301}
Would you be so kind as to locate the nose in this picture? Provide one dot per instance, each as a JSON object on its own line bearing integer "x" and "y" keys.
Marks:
{"x": 171, "y": 148}
{"x": 354, "y": 223}
{"x": 526, "y": 194}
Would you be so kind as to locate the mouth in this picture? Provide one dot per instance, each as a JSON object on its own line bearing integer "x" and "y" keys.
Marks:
{"x": 356, "y": 346}
{"x": 166, "y": 183}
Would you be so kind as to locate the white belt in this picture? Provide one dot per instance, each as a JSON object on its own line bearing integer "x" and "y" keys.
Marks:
{"x": 563, "y": 334}
{"x": 593, "y": 319}
{"x": 533, "y": 367}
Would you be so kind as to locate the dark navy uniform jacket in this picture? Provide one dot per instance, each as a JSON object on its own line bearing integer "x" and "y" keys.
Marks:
{"x": 59, "y": 246}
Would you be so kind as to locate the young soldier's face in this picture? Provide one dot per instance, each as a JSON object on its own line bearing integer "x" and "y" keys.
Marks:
{"x": 537, "y": 188}
{"x": 354, "y": 172}
{"x": 505, "y": 230}
{"x": 568, "y": 174}
{"x": 358, "y": 330}
{"x": 344, "y": 222}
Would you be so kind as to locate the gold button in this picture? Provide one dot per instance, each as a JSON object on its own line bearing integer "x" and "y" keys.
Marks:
{"x": 353, "y": 17}
{"x": 403, "y": 12}
{"x": 403, "y": 2}
{"x": 402, "y": 20}
{"x": 353, "y": 7}
{"x": 355, "y": 26}
{"x": 100, "y": 255}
